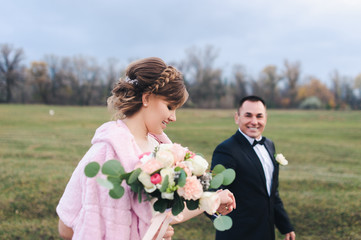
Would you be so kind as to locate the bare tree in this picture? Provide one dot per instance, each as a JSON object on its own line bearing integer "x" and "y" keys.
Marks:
{"x": 112, "y": 75}
{"x": 239, "y": 89}
{"x": 87, "y": 73}
{"x": 38, "y": 74}
{"x": 10, "y": 69}
{"x": 267, "y": 85}
{"x": 205, "y": 82}
{"x": 292, "y": 75}
{"x": 357, "y": 92}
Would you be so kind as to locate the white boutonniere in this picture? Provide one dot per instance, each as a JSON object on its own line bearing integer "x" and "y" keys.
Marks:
{"x": 281, "y": 159}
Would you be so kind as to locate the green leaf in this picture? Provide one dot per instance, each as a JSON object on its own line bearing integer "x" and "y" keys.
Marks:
{"x": 218, "y": 169}
{"x": 192, "y": 205}
{"x": 178, "y": 205}
{"x": 112, "y": 168}
{"x": 222, "y": 223}
{"x": 229, "y": 176}
{"x": 134, "y": 176}
{"x": 105, "y": 183}
{"x": 216, "y": 181}
{"x": 164, "y": 184}
{"x": 91, "y": 169}
{"x": 115, "y": 180}
{"x": 139, "y": 195}
{"x": 182, "y": 178}
{"x": 126, "y": 176}
{"x": 160, "y": 205}
{"x": 136, "y": 186}
{"x": 177, "y": 169}
{"x": 117, "y": 192}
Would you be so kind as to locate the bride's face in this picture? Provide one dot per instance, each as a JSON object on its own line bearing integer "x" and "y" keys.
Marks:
{"x": 158, "y": 113}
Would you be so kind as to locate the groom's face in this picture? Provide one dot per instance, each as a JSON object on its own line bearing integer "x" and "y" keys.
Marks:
{"x": 251, "y": 118}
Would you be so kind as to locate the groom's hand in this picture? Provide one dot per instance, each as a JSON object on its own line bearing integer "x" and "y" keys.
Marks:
{"x": 290, "y": 236}
{"x": 228, "y": 202}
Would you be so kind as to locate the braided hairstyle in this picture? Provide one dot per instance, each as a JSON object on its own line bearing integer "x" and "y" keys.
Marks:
{"x": 148, "y": 75}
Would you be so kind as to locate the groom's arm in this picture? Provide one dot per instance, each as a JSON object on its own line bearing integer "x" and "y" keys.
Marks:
{"x": 282, "y": 220}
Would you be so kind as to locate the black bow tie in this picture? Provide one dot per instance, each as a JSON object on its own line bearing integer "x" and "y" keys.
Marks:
{"x": 261, "y": 142}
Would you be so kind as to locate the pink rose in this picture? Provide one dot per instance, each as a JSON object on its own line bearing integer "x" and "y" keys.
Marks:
{"x": 151, "y": 166}
{"x": 179, "y": 152}
{"x": 186, "y": 167}
{"x": 156, "y": 178}
{"x": 192, "y": 190}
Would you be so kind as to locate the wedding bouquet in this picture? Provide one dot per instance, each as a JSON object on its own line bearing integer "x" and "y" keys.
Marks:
{"x": 174, "y": 176}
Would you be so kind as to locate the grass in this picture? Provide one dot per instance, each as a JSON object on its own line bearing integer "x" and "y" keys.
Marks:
{"x": 320, "y": 187}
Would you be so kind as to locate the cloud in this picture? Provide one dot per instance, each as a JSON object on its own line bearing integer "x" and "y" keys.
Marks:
{"x": 322, "y": 35}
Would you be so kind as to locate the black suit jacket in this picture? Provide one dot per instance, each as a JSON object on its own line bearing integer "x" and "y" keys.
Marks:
{"x": 257, "y": 213}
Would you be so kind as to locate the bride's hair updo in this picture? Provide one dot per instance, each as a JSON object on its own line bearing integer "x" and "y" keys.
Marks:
{"x": 148, "y": 75}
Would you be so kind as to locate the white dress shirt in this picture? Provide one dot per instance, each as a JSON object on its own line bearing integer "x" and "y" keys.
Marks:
{"x": 265, "y": 159}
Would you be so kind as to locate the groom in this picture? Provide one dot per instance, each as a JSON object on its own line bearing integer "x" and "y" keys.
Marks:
{"x": 259, "y": 206}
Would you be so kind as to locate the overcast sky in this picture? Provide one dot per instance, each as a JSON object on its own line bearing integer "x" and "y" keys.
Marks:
{"x": 323, "y": 35}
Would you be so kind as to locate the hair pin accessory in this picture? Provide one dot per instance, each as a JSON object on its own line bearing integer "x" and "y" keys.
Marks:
{"x": 131, "y": 81}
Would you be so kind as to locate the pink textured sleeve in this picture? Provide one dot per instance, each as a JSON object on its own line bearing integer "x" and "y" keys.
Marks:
{"x": 87, "y": 208}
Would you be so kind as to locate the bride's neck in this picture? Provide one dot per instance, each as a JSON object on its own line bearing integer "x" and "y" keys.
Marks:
{"x": 139, "y": 131}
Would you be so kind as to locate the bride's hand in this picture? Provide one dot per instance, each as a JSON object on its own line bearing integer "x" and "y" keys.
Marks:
{"x": 228, "y": 202}
{"x": 169, "y": 233}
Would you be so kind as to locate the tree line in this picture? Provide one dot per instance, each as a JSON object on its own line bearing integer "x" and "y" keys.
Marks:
{"x": 82, "y": 81}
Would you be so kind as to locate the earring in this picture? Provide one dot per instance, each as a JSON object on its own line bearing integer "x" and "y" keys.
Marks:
{"x": 145, "y": 105}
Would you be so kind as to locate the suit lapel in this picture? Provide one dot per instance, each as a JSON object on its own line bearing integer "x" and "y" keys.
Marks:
{"x": 252, "y": 158}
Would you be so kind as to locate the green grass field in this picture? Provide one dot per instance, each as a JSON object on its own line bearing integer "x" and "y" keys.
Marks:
{"x": 321, "y": 186}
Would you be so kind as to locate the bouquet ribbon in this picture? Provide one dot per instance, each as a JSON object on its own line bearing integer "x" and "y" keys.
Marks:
{"x": 160, "y": 221}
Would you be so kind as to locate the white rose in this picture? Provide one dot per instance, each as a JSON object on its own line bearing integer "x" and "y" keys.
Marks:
{"x": 199, "y": 165}
{"x": 168, "y": 172}
{"x": 144, "y": 178}
{"x": 165, "y": 157}
{"x": 281, "y": 159}
{"x": 165, "y": 146}
{"x": 169, "y": 196}
{"x": 209, "y": 202}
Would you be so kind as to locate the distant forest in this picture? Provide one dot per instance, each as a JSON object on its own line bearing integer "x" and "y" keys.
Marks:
{"x": 82, "y": 81}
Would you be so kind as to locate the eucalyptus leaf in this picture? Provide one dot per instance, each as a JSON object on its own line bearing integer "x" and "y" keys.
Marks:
{"x": 139, "y": 195}
{"x": 182, "y": 178}
{"x": 105, "y": 183}
{"x": 91, "y": 169}
{"x": 117, "y": 192}
{"x": 216, "y": 181}
{"x": 218, "y": 169}
{"x": 126, "y": 176}
{"x": 178, "y": 205}
{"x": 160, "y": 205}
{"x": 192, "y": 205}
{"x": 134, "y": 176}
{"x": 115, "y": 180}
{"x": 136, "y": 186}
{"x": 164, "y": 184}
{"x": 223, "y": 223}
{"x": 112, "y": 168}
{"x": 229, "y": 176}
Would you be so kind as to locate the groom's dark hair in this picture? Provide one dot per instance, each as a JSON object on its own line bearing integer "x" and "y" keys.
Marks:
{"x": 251, "y": 98}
